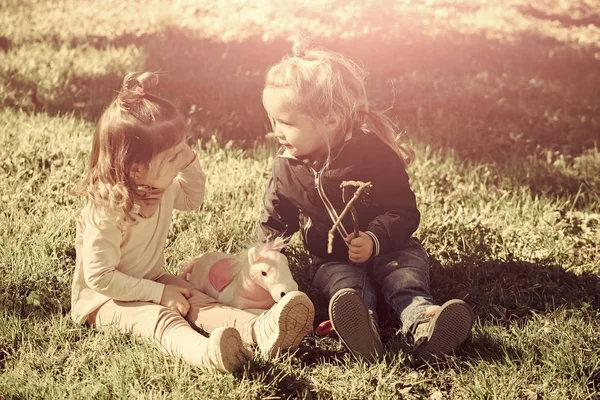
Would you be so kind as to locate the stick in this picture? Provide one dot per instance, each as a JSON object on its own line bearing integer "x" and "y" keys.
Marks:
{"x": 362, "y": 186}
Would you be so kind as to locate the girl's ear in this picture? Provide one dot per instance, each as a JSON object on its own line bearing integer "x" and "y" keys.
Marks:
{"x": 135, "y": 172}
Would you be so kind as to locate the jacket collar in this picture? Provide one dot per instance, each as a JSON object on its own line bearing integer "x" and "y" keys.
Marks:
{"x": 350, "y": 137}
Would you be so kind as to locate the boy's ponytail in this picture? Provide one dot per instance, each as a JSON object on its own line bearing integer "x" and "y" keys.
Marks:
{"x": 378, "y": 123}
{"x": 300, "y": 45}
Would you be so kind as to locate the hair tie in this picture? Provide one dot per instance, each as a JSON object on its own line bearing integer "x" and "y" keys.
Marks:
{"x": 139, "y": 89}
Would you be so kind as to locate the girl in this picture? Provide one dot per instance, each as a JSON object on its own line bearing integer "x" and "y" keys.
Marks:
{"x": 316, "y": 100}
{"x": 140, "y": 170}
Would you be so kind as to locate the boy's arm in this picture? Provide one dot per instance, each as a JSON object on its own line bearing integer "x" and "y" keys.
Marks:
{"x": 279, "y": 216}
{"x": 101, "y": 254}
{"x": 391, "y": 191}
{"x": 189, "y": 186}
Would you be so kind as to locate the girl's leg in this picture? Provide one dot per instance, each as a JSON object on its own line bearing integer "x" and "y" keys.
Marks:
{"x": 208, "y": 314}
{"x": 224, "y": 350}
{"x": 280, "y": 328}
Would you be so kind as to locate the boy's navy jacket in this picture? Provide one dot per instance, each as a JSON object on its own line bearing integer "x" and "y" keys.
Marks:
{"x": 299, "y": 197}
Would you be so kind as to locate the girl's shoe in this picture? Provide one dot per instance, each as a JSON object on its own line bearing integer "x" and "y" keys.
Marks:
{"x": 284, "y": 325}
{"x": 224, "y": 350}
{"x": 354, "y": 325}
{"x": 441, "y": 330}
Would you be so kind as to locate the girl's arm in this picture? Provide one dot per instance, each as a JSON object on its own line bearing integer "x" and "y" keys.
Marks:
{"x": 101, "y": 254}
{"x": 189, "y": 186}
{"x": 279, "y": 216}
{"x": 391, "y": 192}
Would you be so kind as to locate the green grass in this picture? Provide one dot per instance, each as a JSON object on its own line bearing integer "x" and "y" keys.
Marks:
{"x": 499, "y": 101}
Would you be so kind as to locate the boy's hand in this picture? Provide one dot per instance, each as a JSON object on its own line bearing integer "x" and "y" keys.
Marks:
{"x": 360, "y": 248}
{"x": 175, "y": 298}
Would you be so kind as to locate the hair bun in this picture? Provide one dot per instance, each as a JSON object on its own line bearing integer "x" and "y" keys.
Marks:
{"x": 136, "y": 86}
{"x": 147, "y": 81}
{"x": 300, "y": 45}
{"x": 140, "y": 83}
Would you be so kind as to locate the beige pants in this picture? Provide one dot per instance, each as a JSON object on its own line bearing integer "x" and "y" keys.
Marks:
{"x": 168, "y": 328}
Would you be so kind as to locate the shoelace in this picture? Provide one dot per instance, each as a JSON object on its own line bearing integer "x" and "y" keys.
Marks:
{"x": 413, "y": 330}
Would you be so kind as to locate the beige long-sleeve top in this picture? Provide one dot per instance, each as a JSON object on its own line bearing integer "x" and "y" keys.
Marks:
{"x": 123, "y": 265}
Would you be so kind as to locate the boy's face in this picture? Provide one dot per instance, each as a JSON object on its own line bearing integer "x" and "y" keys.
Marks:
{"x": 165, "y": 166}
{"x": 301, "y": 135}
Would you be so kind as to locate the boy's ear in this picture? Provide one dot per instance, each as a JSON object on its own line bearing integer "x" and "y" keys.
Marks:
{"x": 332, "y": 121}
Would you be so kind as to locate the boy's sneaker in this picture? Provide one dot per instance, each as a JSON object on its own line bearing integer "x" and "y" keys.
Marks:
{"x": 285, "y": 324}
{"x": 354, "y": 325}
{"x": 224, "y": 350}
{"x": 441, "y": 329}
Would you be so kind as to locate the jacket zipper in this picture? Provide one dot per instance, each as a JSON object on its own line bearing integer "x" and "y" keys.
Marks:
{"x": 328, "y": 206}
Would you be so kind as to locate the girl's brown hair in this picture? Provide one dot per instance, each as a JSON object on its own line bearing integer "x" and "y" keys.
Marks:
{"x": 326, "y": 82}
{"x": 134, "y": 128}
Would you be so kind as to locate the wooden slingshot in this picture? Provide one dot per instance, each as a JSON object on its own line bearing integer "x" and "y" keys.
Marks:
{"x": 361, "y": 188}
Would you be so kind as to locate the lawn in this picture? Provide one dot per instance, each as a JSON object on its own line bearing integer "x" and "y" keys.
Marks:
{"x": 499, "y": 99}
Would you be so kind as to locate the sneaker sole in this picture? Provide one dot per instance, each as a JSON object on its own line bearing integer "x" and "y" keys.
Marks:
{"x": 352, "y": 322}
{"x": 231, "y": 353}
{"x": 450, "y": 328}
{"x": 293, "y": 324}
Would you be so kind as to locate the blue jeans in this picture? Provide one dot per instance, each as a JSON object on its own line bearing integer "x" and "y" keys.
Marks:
{"x": 402, "y": 277}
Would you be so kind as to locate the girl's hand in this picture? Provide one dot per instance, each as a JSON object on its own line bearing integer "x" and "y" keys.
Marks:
{"x": 175, "y": 298}
{"x": 360, "y": 248}
{"x": 187, "y": 157}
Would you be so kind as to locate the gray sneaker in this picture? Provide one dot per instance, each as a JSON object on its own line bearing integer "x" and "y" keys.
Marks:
{"x": 441, "y": 330}
{"x": 354, "y": 325}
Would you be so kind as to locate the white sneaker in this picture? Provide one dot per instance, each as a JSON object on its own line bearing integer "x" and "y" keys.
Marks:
{"x": 224, "y": 351}
{"x": 284, "y": 325}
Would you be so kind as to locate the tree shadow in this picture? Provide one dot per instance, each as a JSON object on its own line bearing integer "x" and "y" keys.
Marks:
{"x": 480, "y": 96}
{"x": 486, "y": 99}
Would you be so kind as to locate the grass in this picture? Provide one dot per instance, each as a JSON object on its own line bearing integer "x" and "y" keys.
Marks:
{"x": 499, "y": 101}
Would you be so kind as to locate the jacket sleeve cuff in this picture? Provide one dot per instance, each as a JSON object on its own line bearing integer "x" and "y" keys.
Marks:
{"x": 381, "y": 242}
{"x": 375, "y": 243}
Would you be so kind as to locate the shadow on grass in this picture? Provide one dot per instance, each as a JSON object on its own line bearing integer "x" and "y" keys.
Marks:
{"x": 499, "y": 291}
{"x": 503, "y": 291}
{"x": 484, "y": 98}
{"x": 478, "y": 95}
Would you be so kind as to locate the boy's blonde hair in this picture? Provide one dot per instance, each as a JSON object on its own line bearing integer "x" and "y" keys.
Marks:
{"x": 134, "y": 128}
{"x": 324, "y": 82}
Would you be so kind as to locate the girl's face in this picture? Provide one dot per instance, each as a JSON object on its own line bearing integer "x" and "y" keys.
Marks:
{"x": 300, "y": 134}
{"x": 165, "y": 166}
